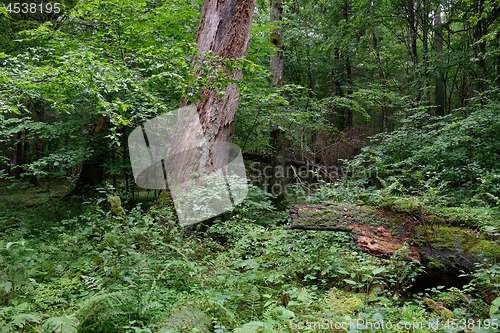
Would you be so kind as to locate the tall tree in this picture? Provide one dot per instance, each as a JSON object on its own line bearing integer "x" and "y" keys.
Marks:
{"x": 383, "y": 85}
{"x": 348, "y": 69}
{"x": 275, "y": 18}
{"x": 223, "y": 33}
{"x": 277, "y": 135}
{"x": 438, "y": 48}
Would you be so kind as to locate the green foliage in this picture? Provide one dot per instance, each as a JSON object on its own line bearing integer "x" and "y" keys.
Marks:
{"x": 99, "y": 312}
{"x": 453, "y": 161}
{"x": 14, "y": 318}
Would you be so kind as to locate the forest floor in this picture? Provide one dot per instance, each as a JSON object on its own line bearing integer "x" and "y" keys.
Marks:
{"x": 253, "y": 271}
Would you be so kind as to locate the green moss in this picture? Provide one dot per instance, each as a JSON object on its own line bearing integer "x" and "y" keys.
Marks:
{"x": 419, "y": 241}
{"x": 327, "y": 214}
{"x": 335, "y": 213}
{"x": 116, "y": 206}
{"x": 477, "y": 245}
{"x": 487, "y": 248}
{"x": 452, "y": 258}
{"x": 434, "y": 265}
{"x": 449, "y": 237}
{"x": 445, "y": 313}
{"x": 440, "y": 310}
{"x": 471, "y": 217}
{"x": 445, "y": 237}
{"x": 277, "y": 41}
{"x": 433, "y": 219}
{"x": 409, "y": 205}
{"x": 351, "y": 304}
{"x": 342, "y": 303}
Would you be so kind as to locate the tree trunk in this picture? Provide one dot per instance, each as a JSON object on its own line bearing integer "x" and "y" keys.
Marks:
{"x": 92, "y": 172}
{"x": 348, "y": 69}
{"x": 276, "y": 15}
{"x": 381, "y": 74}
{"x": 200, "y": 153}
{"x": 412, "y": 18}
{"x": 277, "y": 135}
{"x": 337, "y": 75}
{"x": 18, "y": 169}
{"x": 224, "y": 30}
{"x": 423, "y": 17}
{"x": 438, "y": 48}
{"x": 479, "y": 30}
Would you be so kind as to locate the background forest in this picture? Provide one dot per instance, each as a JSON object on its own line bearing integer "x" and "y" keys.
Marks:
{"x": 390, "y": 106}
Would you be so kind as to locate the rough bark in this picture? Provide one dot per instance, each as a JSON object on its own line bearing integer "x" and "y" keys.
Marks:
{"x": 275, "y": 16}
{"x": 438, "y": 48}
{"x": 224, "y": 30}
{"x": 348, "y": 68}
{"x": 383, "y": 85}
{"x": 277, "y": 135}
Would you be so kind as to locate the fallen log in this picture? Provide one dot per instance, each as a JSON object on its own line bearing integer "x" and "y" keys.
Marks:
{"x": 340, "y": 228}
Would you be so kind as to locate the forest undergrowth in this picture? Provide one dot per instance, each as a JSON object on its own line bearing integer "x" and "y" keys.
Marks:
{"x": 93, "y": 271}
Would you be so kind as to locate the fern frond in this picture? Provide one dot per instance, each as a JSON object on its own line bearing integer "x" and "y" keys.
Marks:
{"x": 301, "y": 297}
{"x": 92, "y": 282}
{"x": 186, "y": 319}
{"x": 147, "y": 305}
{"x": 330, "y": 298}
{"x": 62, "y": 324}
{"x": 254, "y": 300}
{"x": 278, "y": 313}
{"x": 103, "y": 306}
{"x": 255, "y": 327}
{"x": 21, "y": 319}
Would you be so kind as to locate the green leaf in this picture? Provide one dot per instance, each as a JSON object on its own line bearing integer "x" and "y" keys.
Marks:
{"x": 378, "y": 270}
{"x": 8, "y": 286}
{"x": 350, "y": 281}
{"x": 495, "y": 305}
